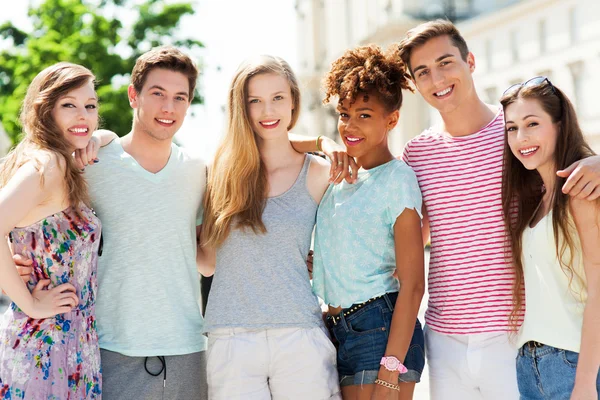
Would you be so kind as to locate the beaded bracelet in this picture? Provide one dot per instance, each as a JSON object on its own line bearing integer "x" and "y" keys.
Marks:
{"x": 318, "y": 145}
{"x": 387, "y": 384}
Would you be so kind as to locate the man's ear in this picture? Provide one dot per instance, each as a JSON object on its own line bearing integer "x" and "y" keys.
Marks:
{"x": 133, "y": 96}
{"x": 471, "y": 62}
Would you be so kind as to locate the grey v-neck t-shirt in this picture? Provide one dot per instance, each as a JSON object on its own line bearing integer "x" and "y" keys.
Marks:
{"x": 148, "y": 285}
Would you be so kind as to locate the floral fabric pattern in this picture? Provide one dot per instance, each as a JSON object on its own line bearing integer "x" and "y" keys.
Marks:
{"x": 55, "y": 358}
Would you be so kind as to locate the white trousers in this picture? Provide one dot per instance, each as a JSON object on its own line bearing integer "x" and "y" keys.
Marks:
{"x": 279, "y": 364}
{"x": 476, "y": 366}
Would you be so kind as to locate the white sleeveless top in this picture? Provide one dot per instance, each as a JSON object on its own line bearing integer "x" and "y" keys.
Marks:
{"x": 553, "y": 308}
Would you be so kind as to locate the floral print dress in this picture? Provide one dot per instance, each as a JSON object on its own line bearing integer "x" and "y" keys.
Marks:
{"x": 55, "y": 358}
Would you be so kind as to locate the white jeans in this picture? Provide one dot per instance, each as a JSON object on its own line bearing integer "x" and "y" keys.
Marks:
{"x": 286, "y": 363}
{"x": 477, "y": 366}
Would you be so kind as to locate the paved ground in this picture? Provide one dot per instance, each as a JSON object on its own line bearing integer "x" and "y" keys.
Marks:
{"x": 422, "y": 388}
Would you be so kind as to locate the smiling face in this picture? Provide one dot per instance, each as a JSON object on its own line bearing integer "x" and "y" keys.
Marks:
{"x": 441, "y": 75}
{"x": 364, "y": 125}
{"x": 270, "y": 105}
{"x": 76, "y": 115}
{"x": 161, "y": 105}
{"x": 531, "y": 134}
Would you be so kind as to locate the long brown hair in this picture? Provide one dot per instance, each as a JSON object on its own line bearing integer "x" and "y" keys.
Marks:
{"x": 41, "y": 131}
{"x": 522, "y": 189}
{"x": 237, "y": 182}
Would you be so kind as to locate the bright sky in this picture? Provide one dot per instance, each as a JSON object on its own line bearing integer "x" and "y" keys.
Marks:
{"x": 231, "y": 30}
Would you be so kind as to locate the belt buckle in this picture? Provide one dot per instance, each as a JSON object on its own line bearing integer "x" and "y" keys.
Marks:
{"x": 332, "y": 319}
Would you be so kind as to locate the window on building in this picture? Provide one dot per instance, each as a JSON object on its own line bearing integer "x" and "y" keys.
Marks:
{"x": 514, "y": 46}
{"x": 489, "y": 52}
{"x": 573, "y": 31}
{"x": 349, "y": 10}
{"x": 577, "y": 75}
{"x": 542, "y": 34}
{"x": 389, "y": 8}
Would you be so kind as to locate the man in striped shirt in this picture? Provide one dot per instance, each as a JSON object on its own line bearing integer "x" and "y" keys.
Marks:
{"x": 459, "y": 169}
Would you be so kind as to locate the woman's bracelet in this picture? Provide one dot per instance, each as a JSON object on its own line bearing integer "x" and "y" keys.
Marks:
{"x": 318, "y": 144}
{"x": 387, "y": 384}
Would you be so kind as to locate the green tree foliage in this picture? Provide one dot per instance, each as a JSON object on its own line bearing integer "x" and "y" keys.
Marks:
{"x": 90, "y": 33}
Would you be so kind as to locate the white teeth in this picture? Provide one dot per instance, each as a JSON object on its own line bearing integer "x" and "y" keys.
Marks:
{"x": 353, "y": 139}
{"x": 79, "y": 130}
{"x": 444, "y": 92}
{"x": 270, "y": 123}
{"x": 528, "y": 151}
{"x": 165, "y": 121}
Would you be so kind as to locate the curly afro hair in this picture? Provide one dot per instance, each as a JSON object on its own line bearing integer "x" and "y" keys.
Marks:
{"x": 368, "y": 70}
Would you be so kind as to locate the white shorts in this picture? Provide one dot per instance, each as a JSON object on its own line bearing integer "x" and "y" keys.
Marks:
{"x": 469, "y": 367}
{"x": 264, "y": 364}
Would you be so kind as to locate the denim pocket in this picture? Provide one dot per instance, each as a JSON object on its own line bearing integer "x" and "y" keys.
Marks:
{"x": 570, "y": 358}
{"x": 367, "y": 321}
{"x": 415, "y": 357}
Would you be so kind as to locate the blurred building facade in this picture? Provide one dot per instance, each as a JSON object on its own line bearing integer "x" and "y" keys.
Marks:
{"x": 512, "y": 40}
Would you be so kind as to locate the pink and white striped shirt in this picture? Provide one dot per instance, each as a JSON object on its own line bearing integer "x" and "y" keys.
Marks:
{"x": 470, "y": 275}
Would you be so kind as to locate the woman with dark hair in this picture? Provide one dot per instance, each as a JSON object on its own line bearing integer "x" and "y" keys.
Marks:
{"x": 369, "y": 232}
{"x": 48, "y": 341}
{"x": 555, "y": 250}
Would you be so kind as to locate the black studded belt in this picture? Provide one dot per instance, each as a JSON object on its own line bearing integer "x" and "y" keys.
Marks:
{"x": 334, "y": 319}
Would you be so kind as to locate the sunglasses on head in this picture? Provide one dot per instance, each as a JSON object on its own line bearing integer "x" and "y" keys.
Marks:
{"x": 538, "y": 80}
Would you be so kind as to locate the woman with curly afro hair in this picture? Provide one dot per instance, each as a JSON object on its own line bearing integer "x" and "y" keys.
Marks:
{"x": 370, "y": 231}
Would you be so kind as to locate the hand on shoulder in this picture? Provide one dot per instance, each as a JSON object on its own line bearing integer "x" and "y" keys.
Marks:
{"x": 342, "y": 167}
{"x": 583, "y": 179}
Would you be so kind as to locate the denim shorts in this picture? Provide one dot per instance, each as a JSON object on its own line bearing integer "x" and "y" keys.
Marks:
{"x": 547, "y": 373}
{"x": 362, "y": 338}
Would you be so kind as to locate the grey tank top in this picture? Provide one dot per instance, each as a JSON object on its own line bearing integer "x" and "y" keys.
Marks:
{"x": 261, "y": 280}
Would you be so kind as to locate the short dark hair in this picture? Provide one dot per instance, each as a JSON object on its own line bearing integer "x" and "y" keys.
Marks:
{"x": 165, "y": 57}
{"x": 368, "y": 70}
{"x": 426, "y": 31}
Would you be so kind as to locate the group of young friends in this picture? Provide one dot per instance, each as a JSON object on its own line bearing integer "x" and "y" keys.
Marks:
{"x": 507, "y": 195}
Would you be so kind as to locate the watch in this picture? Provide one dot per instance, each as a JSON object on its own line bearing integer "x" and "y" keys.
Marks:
{"x": 392, "y": 364}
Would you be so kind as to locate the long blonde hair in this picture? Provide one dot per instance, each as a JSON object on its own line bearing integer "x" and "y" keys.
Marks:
{"x": 237, "y": 182}
{"x": 41, "y": 131}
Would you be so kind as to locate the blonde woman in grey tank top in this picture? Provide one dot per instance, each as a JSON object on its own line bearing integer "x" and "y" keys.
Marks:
{"x": 264, "y": 326}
